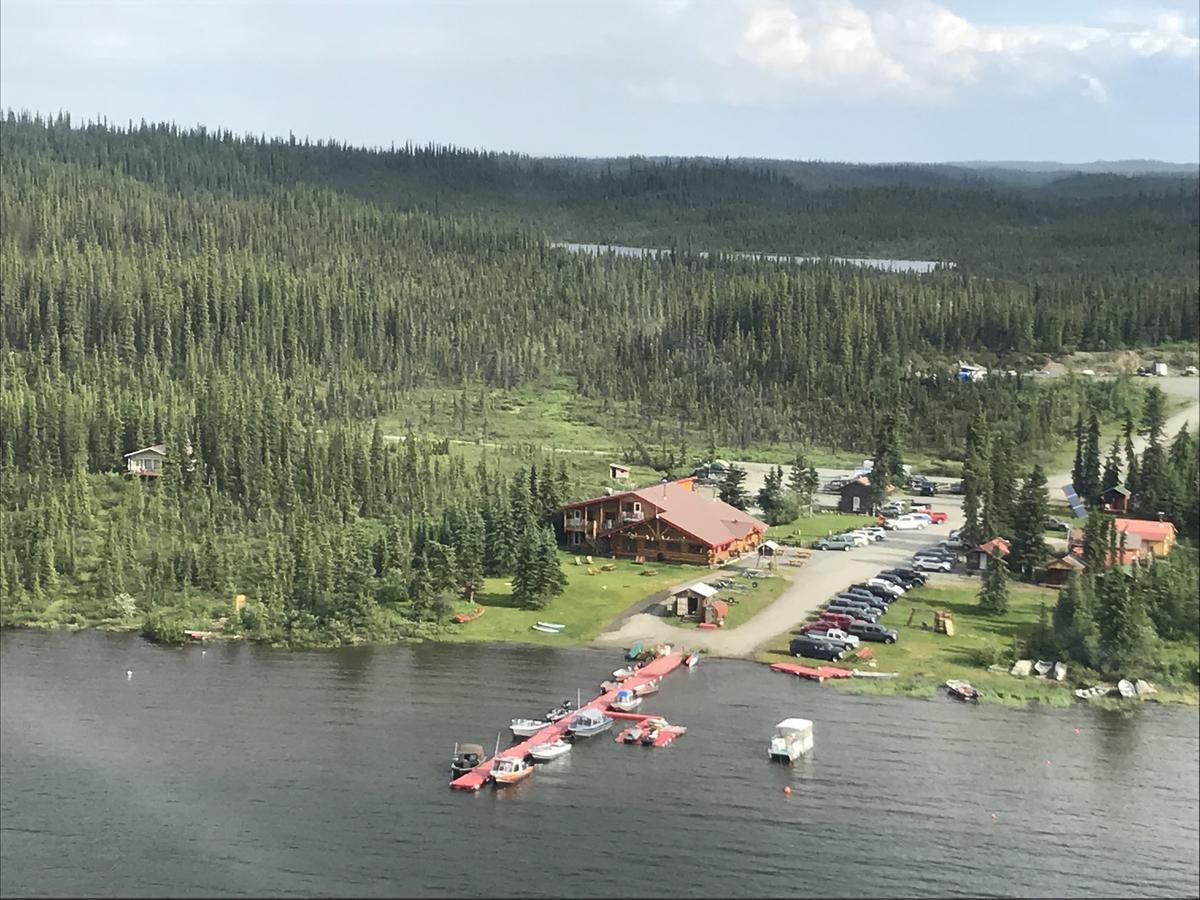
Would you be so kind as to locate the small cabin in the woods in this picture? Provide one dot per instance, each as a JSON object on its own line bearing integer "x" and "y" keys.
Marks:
{"x": 668, "y": 522}
{"x": 618, "y": 472}
{"x": 1059, "y": 570}
{"x": 146, "y": 462}
{"x": 1115, "y": 499}
{"x": 855, "y": 496}
{"x": 1157, "y": 537}
{"x": 977, "y": 558}
{"x": 689, "y": 600}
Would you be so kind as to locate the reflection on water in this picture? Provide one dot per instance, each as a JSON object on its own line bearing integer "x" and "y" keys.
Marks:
{"x": 919, "y": 266}
{"x": 258, "y": 771}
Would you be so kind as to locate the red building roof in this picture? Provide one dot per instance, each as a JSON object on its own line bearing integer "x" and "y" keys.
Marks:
{"x": 995, "y": 543}
{"x": 1146, "y": 530}
{"x": 712, "y": 522}
{"x": 720, "y": 607}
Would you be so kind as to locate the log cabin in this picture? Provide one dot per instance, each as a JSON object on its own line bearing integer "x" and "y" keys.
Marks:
{"x": 665, "y": 523}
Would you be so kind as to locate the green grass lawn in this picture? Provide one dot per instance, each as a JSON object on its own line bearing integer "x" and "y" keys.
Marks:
{"x": 925, "y": 660}
{"x": 588, "y": 604}
{"x": 750, "y": 603}
{"x": 805, "y": 530}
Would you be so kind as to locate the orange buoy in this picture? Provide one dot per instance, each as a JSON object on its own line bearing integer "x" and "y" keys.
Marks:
{"x": 1047, "y": 762}
{"x": 1076, "y": 731}
{"x": 787, "y": 790}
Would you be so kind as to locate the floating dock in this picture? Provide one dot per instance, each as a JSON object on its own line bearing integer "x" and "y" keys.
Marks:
{"x": 478, "y": 777}
{"x": 664, "y": 736}
{"x": 816, "y": 673}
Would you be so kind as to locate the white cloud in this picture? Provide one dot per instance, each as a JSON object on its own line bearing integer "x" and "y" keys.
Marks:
{"x": 918, "y": 48}
{"x": 1094, "y": 89}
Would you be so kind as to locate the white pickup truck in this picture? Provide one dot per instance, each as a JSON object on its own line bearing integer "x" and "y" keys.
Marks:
{"x": 836, "y": 636}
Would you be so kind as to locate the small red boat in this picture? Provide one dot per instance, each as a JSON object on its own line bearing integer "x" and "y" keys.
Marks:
{"x": 471, "y": 616}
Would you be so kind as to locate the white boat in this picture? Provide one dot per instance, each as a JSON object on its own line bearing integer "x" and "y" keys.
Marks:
{"x": 1126, "y": 689}
{"x": 693, "y": 660}
{"x": 626, "y": 701}
{"x": 549, "y": 751}
{"x": 859, "y": 673}
{"x": 793, "y": 737}
{"x": 622, "y": 673}
{"x": 544, "y": 630}
{"x": 527, "y": 727}
{"x": 551, "y": 626}
{"x": 588, "y": 722}
{"x": 509, "y": 770}
{"x": 647, "y": 688}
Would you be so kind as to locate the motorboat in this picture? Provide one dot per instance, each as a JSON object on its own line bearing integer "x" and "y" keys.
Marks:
{"x": 551, "y": 626}
{"x": 540, "y": 626}
{"x": 560, "y": 712}
{"x": 588, "y": 722}
{"x": 509, "y": 770}
{"x": 551, "y": 750}
{"x": 793, "y": 738}
{"x": 608, "y": 686}
{"x": 1126, "y": 689}
{"x": 650, "y": 730}
{"x": 647, "y": 688}
{"x": 634, "y": 651}
{"x": 693, "y": 659}
{"x": 632, "y": 734}
{"x": 527, "y": 727}
{"x": 622, "y": 673}
{"x": 962, "y": 690}
{"x": 466, "y": 758}
{"x": 626, "y": 701}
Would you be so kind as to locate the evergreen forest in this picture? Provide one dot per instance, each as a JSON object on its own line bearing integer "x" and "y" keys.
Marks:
{"x": 258, "y": 305}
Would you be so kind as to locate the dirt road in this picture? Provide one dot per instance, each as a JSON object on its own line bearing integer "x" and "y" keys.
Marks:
{"x": 820, "y": 578}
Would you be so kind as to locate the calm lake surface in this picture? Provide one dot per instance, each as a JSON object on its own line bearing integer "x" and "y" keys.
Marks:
{"x": 919, "y": 266}
{"x": 261, "y": 772}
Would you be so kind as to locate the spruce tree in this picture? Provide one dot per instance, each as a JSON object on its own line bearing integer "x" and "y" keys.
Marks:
{"x": 1112, "y": 468}
{"x": 1029, "y": 515}
{"x": 993, "y": 595}
{"x": 733, "y": 490}
{"x": 1089, "y": 486}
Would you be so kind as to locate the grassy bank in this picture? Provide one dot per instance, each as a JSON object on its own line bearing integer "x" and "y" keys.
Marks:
{"x": 926, "y": 660}
{"x": 807, "y": 529}
{"x": 588, "y": 604}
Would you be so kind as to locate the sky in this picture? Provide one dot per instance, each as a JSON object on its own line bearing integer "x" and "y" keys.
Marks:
{"x": 851, "y": 80}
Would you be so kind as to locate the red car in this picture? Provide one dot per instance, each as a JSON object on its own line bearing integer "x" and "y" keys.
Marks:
{"x": 829, "y": 620}
{"x": 936, "y": 517}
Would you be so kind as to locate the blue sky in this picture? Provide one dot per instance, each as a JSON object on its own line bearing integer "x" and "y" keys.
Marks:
{"x": 856, "y": 80}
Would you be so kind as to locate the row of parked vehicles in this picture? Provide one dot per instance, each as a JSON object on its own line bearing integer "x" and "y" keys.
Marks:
{"x": 853, "y": 616}
{"x": 941, "y": 557}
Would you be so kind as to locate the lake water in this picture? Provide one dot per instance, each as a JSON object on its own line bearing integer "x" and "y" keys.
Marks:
{"x": 919, "y": 266}
{"x": 262, "y": 772}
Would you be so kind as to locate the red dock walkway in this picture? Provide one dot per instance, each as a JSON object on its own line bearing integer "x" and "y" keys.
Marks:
{"x": 816, "y": 673}
{"x": 478, "y": 777}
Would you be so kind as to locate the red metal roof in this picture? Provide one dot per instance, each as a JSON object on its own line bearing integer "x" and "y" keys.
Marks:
{"x": 1147, "y": 531}
{"x": 720, "y": 607}
{"x": 712, "y": 522}
{"x": 990, "y": 547}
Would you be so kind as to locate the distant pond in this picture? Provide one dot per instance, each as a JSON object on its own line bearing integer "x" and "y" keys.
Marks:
{"x": 919, "y": 266}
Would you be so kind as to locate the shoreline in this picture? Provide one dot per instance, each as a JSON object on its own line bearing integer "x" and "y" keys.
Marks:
{"x": 996, "y": 690}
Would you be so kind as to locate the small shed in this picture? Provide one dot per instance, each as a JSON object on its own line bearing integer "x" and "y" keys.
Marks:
{"x": 977, "y": 559}
{"x": 768, "y": 548}
{"x": 147, "y": 461}
{"x": 688, "y": 599}
{"x": 713, "y": 611}
{"x": 1060, "y": 569}
{"x": 618, "y": 472}
{"x": 1115, "y": 499}
{"x": 855, "y": 496}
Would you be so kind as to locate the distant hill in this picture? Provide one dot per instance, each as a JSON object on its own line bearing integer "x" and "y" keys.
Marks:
{"x": 1107, "y": 167}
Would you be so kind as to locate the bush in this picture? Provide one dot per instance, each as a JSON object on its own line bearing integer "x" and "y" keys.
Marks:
{"x": 165, "y": 627}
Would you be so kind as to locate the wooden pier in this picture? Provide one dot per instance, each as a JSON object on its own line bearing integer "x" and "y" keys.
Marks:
{"x": 479, "y": 776}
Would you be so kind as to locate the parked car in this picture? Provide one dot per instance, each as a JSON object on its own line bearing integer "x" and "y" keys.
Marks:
{"x": 872, "y": 595}
{"x": 936, "y": 516}
{"x": 932, "y": 564}
{"x": 815, "y": 649}
{"x": 834, "y": 485}
{"x": 836, "y": 636}
{"x": 911, "y": 575}
{"x": 957, "y": 488}
{"x": 871, "y": 631}
{"x": 895, "y": 579}
{"x": 874, "y": 592}
{"x": 922, "y": 516}
{"x": 890, "y": 586}
{"x": 834, "y": 620}
{"x": 836, "y": 542}
{"x": 906, "y": 522}
{"x": 890, "y": 510}
{"x": 860, "y": 613}
{"x": 1050, "y": 523}
{"x": 877, "y": 532}
{"x": 867, "y": 600}
{"x": 860, "y": 538}
{"x": 928, "y": 489}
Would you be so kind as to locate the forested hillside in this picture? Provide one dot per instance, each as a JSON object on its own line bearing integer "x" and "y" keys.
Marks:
{"x": 262, "y": 302}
